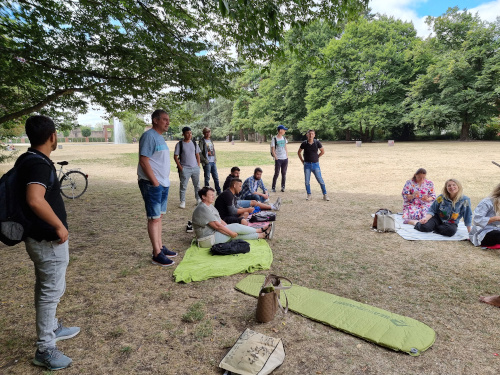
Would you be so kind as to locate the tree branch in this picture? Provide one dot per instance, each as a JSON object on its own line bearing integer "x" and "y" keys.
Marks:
{"x": 49, "y": 99}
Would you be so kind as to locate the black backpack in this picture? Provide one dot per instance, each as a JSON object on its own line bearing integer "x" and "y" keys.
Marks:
{"x": 231, "y": 248}
{"x": 263, "y": 216}
{"x": 13, "y": 223}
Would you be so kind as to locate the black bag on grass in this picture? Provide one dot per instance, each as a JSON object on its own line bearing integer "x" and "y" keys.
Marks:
{"x": 262, "y": 216}
{"x": 231, "y": 248}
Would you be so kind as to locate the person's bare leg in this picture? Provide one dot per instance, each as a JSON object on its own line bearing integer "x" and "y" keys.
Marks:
{"x": 412, "y": 222}
{"x": 154, "y": 231}
{"x": 491, "y": 300}
{"x": 244, "y": 222}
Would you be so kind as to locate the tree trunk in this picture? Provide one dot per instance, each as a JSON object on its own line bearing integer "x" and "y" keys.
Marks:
{"x": 242, "y": 136}
{"x": 348, "y": 135}
{"x": 464, "y": 133}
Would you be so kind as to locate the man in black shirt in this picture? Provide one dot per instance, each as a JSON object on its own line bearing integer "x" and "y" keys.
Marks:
{"x": 47, "y": 240}
{"x": 310, "y": 160}
{"x": 227, "y": 204}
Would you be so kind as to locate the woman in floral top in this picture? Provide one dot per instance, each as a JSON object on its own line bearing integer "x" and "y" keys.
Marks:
{"x": 446, "y": 211}
{"x": 418, "y": 195}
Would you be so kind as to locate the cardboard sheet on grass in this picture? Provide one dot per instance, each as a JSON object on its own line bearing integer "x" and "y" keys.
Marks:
{"x": 199, "y": 264}
{"x": 408, "y": 232}
{"x": 381, "y": 327}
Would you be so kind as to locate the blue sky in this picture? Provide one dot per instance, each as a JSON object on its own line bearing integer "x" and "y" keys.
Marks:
{"x": 407, "y": 10}
{"x": 436, "y": 8}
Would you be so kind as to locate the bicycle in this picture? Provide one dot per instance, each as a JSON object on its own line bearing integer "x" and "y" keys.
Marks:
{"x": 73, "y": 182}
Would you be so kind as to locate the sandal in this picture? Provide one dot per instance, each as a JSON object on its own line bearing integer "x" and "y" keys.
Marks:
{"x": 269, "y": 231}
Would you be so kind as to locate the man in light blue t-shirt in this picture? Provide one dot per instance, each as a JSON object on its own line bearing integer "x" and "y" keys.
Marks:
{"x": 153, "y": 172}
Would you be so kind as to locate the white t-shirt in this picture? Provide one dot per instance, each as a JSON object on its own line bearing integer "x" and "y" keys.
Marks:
{"x": 279, "y": 144}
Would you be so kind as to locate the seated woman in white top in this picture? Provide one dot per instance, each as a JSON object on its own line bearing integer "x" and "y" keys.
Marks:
{"x": 207, "y": 222}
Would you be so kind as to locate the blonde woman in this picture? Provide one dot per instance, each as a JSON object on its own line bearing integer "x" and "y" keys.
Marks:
{"x": 486, "y": 229}
{"x": 446, "y": 211}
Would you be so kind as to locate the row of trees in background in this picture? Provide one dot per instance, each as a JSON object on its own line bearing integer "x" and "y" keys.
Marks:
{"x": 59, "y": 57}
{"x": 374, "y": 79}
{"x": 345, "y": 76}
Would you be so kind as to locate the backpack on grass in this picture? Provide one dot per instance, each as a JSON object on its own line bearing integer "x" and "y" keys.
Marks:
{"x": 231, "y": 248}
{"x": 13, "y": 223}
{"x": 263, "y": 216}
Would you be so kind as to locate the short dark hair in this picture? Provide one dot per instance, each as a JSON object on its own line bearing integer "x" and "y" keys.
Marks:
{"x": 257, "y": 170}
{"x": 186, "y": 129}
{"x": 234, "y": 169}
{"x": 39, "y": 129}
{"x": 233, "y": 181}
{"x": 204, "y": 190}
{"x": 311, "y": 130}
{"x": 157, "y": 113}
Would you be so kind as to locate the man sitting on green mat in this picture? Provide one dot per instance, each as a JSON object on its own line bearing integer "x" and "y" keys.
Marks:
{"x": 207, "y": 222}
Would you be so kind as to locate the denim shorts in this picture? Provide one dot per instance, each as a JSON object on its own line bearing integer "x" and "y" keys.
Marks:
{"x": 155, "y": 199}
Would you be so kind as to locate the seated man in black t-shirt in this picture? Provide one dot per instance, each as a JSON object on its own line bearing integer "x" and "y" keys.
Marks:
{"x": 227, "y": 204}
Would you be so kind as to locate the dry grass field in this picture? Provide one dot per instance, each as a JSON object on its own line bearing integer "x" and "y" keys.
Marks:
{"x": 133, "y": 315}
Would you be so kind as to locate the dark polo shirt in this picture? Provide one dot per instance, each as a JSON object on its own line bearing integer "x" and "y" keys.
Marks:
{"x": 39, "y": 171}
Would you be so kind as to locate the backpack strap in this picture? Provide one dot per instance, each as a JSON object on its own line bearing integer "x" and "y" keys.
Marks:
{"x": 180, "y": 150}
{"x": 30, "y": 155}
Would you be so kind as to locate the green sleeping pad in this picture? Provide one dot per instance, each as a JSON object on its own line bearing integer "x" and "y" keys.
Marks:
{"x": 379, "y": 326}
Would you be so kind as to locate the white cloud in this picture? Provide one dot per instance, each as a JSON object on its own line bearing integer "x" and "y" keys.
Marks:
{"x": 403, "y": 10}
{"x": 487, "y": 11}
{"x": 91, "y": 118}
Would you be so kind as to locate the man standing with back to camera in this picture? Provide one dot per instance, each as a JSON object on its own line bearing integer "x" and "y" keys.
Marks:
{"x": 47, "y": 240}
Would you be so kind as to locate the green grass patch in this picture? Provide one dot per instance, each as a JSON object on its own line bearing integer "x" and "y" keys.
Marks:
{"x": 203, "y": 330}
{"x": 195, "y": 313}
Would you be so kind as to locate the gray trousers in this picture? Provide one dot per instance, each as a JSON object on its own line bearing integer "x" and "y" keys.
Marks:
{"x": 187, "y": 173}
{"x": 50, "y": 260}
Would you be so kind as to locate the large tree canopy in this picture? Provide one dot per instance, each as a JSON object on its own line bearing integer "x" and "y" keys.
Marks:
{"x": 120, "y": 54}
{"x": 462, "y": 81}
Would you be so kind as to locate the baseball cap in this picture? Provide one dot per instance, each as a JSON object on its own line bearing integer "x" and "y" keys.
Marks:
{"x": 282, "y": 127}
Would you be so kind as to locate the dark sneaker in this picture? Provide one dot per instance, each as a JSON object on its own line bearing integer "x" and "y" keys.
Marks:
{"x": 283, "y": 189}
{"x": 162, "y": 260}
{"x": 189, "y": 227}
{"x": 273, "y": 190}
{"x": 64, "y": 333}
{"x": 52, "y": 359}
{"x": 167, "y": 252}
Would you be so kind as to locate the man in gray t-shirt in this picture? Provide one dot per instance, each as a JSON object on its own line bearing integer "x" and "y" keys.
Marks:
{"x": 187, "y": 158}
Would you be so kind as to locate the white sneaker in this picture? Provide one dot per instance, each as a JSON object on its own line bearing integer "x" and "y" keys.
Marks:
{"x": 308, "y": 197}
{"x": 325, "y": 198}
{"x": 182, "y": 205}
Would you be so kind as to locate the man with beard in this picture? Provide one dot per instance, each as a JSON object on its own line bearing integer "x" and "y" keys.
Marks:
{"x": 245, "y": 203}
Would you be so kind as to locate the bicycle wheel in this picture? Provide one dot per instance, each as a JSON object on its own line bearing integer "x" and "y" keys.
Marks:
{"x": 73, "y": 184}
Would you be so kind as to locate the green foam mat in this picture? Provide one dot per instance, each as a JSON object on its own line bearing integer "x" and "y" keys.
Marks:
{"x": 199, "y": 264}
{"x": 379, "y": 326}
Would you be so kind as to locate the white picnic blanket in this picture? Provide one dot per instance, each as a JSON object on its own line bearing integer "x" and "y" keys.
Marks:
{"x": 408, "y": 232}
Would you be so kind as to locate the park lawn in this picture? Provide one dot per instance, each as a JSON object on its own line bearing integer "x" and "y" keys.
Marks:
{"x": 135, "y": 319}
